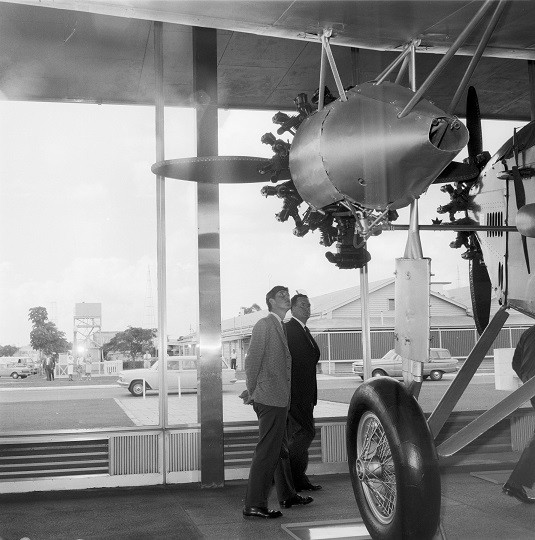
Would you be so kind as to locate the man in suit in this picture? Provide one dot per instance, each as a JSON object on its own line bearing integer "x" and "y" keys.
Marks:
{"x": 268, "y": 371}
{"x": 304, "y": 395}
{"x": 523, "y": 474}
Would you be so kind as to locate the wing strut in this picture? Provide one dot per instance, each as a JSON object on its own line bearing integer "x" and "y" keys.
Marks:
{"x": 446, "y": 58}
{"x": 477, "y": 55}
{"x": 326, "y": 51}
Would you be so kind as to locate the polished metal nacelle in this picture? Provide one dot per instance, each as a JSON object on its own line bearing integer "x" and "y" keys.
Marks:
{"x": 359, "y": 150}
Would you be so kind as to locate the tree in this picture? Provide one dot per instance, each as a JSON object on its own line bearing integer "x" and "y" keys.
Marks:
{"x": 251, "y": 309}
{"x": 8, "y": 350}
{"x": 133, "y": 341}
{"x": 45, "y": 336}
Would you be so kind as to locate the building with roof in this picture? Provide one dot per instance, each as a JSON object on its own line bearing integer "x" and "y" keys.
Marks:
{"x": 336, "y": 325}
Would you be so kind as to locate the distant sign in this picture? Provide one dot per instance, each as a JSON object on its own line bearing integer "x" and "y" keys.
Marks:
{"x": 89, "y": 310}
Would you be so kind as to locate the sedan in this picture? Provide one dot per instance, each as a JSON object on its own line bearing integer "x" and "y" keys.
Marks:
{"x": 440, "y": 361}
{"x": 181, "y": 376}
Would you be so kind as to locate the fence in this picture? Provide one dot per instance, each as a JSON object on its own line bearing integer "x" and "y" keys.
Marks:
{"x": 98, "y": 369}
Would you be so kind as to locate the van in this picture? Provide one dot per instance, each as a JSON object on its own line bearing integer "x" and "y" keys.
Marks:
{"x": 14, "y": 367}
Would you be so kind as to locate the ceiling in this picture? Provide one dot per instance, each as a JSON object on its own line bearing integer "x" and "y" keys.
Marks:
{"x": 268, "y": 52}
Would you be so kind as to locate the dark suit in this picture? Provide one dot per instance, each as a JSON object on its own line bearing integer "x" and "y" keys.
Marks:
{"x": 301, "y": 429}
{"x": 268, "y": 374}
{"x": 524, "y": 365}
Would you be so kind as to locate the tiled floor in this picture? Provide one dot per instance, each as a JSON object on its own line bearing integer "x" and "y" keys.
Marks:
{"x": 472, "y": 509}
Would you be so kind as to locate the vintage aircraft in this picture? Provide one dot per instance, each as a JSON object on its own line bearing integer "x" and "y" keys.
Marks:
{"x": 358, "y": 154}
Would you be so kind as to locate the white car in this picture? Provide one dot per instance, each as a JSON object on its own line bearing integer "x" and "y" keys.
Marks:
{"x": 181, "y": 370}
{"x": 14, "y": 370}
{"x": 440, "y": 362}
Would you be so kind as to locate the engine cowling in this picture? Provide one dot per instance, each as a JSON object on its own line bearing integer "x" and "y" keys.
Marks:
{"x": 361, "y": 150}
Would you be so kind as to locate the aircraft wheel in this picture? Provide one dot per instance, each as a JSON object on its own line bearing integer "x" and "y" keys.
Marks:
{"x": 393, "y": 463}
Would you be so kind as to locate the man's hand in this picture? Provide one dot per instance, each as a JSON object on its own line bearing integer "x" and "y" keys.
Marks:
{"x": 247, "y": 399}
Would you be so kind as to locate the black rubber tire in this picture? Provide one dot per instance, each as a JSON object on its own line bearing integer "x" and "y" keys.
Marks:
{"x": 14, "y": 375}
{"x": 379, "y": 373}
{"x": 407, "y": 458}
{"x": 436, "y": 375}
{"x": 136, "y": 388}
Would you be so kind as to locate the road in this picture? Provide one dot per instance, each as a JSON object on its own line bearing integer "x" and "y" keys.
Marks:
{"x": 28, "y": 405}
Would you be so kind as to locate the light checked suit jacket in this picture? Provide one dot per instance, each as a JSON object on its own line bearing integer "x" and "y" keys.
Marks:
{"x": 268, "y": 364}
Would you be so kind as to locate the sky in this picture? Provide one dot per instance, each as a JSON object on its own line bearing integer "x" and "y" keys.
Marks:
{"x": 78, "y": 221}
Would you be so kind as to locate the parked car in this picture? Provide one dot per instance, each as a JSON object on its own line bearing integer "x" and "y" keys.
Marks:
{"x": 440, "y": 361}
{"x": 181, "y": 369}
{"x": 13, "y": 369}
{"x": 25, "y": 361}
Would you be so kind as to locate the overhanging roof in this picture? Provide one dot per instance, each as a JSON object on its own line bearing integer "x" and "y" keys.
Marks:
{"x": 102, "y": 52}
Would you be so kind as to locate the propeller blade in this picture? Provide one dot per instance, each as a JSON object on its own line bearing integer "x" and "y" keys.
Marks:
{"x": 520, "y": 194}
{"x": 480, "y": 293}
{"x": 473, "y": 124}
{"x": 526, "y": 253}
{"x": 457, "y": 172}
{"x": 217, "y": 169}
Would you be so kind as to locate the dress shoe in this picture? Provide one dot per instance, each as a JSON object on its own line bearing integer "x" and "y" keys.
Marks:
{"x": 296, "y": 499}
{"x": 260, "y": 511}
{"x": 309, "y": 487}
{"x": 518, "y": 492}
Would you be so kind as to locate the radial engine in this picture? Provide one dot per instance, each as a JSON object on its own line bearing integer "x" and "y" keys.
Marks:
{"x": 355, "y": 162}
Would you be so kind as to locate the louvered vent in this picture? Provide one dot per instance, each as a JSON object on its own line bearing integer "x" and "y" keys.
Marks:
{"x": 49, "y": 459}
{"x": 184, "y": 449}
{"x": 134, "y": 454}
{"x": 494, "y": 219}
{"x": 333, "y": 443}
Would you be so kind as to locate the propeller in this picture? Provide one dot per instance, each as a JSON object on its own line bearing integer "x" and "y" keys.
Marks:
{"x": 473, "y": 124}
{"x": 217, "y": 169}
{"x": 480, "y": 293}
{"x": 480, "y": 285}
{"x": 468, "y": 170}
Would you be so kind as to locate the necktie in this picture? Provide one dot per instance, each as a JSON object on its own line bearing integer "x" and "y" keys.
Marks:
{"x": 310, "y": 338}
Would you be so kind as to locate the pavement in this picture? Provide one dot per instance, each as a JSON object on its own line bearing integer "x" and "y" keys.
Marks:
{"x": 143, "y": 411}
{"x": 473, "y": 507}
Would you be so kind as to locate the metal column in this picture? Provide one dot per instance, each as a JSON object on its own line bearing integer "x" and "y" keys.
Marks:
{"x": 365, "y": 322}
{"x": 160, "y": 237}
{"x": 209, "y": 395}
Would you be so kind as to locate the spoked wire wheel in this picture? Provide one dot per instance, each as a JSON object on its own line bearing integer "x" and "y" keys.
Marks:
{"x": 392, "y": 462}
{"x": 375, "y": 468}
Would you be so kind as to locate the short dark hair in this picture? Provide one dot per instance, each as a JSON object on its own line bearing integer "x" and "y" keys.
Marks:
{"x": 296, "y": 297}
{"x": 271, "y": 294}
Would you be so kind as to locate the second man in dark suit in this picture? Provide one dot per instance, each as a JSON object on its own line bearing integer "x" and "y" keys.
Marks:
{"x": 304, "y": 392}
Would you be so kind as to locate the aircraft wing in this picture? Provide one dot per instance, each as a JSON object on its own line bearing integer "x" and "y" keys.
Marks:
{"x": 102, "y": 51}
